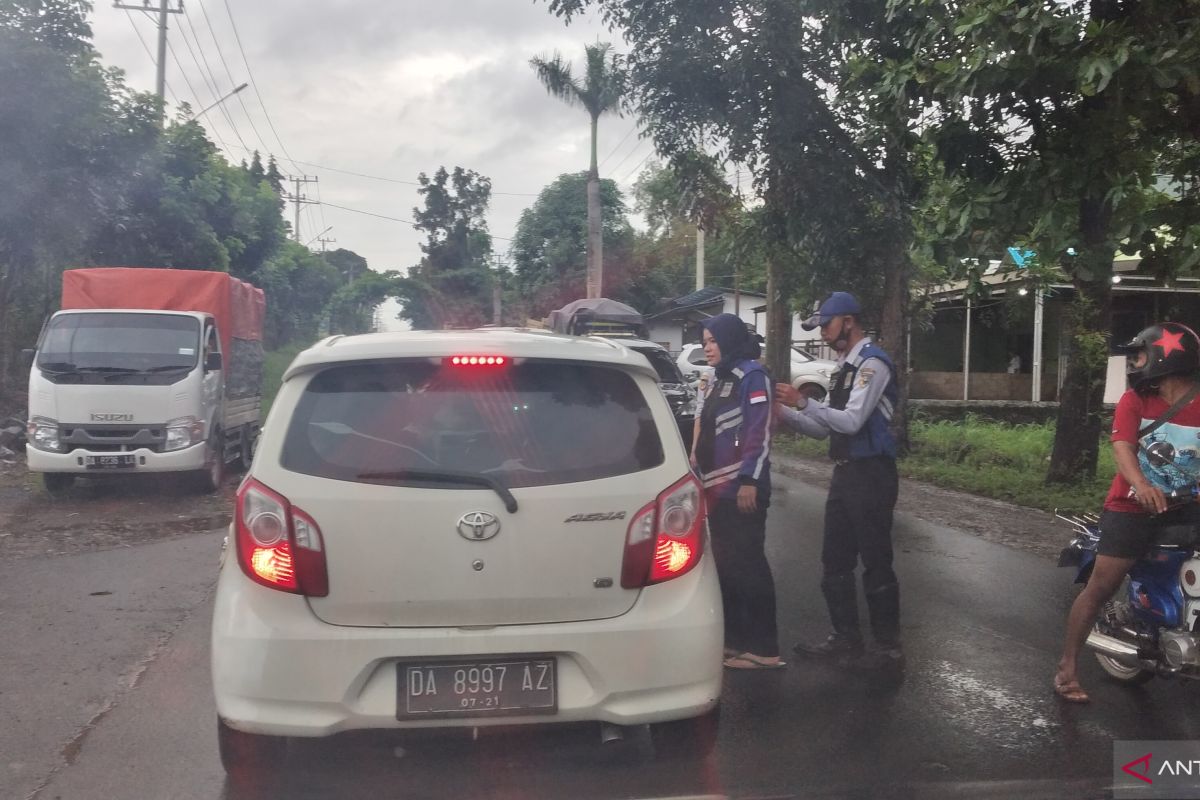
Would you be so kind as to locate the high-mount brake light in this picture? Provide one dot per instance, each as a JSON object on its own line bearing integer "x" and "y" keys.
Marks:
{"x": 666, "y": 537}
{"x": 478, "y": 361}
{"x": 278, "y": 545}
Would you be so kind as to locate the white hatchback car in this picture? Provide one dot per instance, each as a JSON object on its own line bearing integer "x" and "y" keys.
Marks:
{"x": 463, "y": 529}
{"x": 809, "y": 373}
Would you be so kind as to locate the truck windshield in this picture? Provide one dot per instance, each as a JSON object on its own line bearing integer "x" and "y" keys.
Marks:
{"x": 120, "y": 342}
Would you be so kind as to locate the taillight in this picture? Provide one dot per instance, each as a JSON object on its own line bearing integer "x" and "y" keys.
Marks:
{"x": 477, "y": 361}
{"x": 665, "y": 538}
{"x": 279, "y": 545}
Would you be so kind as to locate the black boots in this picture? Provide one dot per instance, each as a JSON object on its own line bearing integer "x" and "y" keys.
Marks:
{"x": 845, "y": 643}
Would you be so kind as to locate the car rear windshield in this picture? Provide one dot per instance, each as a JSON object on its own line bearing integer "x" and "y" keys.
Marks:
{"x": 535, "y": 423}
{"x": 663, "y": 365}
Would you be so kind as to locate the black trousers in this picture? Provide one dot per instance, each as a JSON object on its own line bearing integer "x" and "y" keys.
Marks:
{"x": 858, "y": 521}
{"x": 747, "y": 586}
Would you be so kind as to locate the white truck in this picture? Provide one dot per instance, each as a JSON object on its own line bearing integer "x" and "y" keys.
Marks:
{"x": 146, "y": 370}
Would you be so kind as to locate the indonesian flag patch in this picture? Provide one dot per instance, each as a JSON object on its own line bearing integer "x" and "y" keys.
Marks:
{"x": 758, "y": 397}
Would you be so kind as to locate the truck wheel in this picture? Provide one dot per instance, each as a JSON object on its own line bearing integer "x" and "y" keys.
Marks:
{"x": 57, "y": 483}
{"x": 249, "y": 443}
{"x": 213, "y": 474}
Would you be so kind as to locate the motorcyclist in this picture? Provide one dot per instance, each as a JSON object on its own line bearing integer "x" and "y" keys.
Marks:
{"x": 1162, "y": 366}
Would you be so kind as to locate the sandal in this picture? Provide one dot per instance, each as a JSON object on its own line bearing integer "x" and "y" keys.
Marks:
{"x": 751, "y": 661}
{"x": 1071, "y": 692}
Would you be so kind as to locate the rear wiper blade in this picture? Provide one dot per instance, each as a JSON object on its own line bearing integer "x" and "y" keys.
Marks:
{"x": 166, "y": 368}
{"x": 58, "y": 367}
{"x": 446, "y": 476}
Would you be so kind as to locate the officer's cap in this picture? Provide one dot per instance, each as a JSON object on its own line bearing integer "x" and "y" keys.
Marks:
{"x": 838, "y": 304}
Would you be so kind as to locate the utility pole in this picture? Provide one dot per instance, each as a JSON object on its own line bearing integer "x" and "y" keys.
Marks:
{"x": 299, "y": 200}
{"x": 164, "y": 8}
{"x": 699, "y": 257}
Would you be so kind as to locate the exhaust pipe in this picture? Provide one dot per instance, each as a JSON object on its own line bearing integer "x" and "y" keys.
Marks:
{"x": 1114, "y": 648}
{"x": 610, "y": 733}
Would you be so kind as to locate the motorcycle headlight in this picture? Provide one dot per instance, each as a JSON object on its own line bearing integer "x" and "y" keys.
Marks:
{"x": 184, "y": 432}
{"x": 42, "y": 433}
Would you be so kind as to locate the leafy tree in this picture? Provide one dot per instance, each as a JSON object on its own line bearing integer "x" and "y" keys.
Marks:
{"x": 351, "y": 309}
{"x": 773, "y": 85}
{"x": 549, "y": 249}
{"x": 451, "y": 287}
{"x": 298, "y": 285}
{"x": 598, "y": 92}
{"x": 68, "y": 129}
{"x": 1071, "y": 128}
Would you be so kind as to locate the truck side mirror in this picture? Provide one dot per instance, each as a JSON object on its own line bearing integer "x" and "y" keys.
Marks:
{"x": 212, "y": 362}
{"x": 27, "y": 357}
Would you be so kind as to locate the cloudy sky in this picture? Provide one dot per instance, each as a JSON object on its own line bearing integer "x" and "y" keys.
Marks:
{"x": 384, "y": 89}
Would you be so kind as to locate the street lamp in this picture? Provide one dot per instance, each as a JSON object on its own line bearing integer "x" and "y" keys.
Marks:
{"x": 218, "y": 102}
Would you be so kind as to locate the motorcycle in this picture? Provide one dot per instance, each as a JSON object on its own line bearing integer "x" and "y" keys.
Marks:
{"x": 1150, "y": 627}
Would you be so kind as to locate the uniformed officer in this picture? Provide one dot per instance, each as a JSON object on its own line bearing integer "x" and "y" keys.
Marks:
{"x": 862, "y": 496}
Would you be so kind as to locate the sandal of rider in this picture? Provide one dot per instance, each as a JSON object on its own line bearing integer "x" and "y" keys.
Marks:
{"x": 751, "y": 661}
{"x": 1071, "y": 692}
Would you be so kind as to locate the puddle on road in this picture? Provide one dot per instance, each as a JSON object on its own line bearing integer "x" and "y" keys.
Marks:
{"x": 1014, "y": 721}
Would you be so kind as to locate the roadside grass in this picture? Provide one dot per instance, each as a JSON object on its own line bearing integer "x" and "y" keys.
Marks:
{"x": 275, "y": 363}
{"x": 1004, "y": 462}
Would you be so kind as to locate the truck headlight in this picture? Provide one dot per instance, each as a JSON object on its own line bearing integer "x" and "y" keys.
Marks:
{"x": 42, "y": 433}
{"x": 184, "y": 432}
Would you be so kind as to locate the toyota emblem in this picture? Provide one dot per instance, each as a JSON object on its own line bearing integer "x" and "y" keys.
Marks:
{"x": 478, "y": 525}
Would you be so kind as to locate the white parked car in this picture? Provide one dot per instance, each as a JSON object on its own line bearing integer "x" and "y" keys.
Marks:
{"x": 464, "y": 529}
{"x": 809, "y": 374}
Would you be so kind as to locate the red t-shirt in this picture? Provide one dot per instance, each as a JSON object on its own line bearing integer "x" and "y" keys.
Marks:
{"x": 1169, "y": 456}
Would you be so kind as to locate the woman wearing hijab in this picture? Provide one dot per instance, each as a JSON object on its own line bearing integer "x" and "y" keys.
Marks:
{"x": 733, "y": 457}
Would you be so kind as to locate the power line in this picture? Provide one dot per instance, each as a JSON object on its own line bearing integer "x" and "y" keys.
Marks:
{"x": 146, "y": 47}
{"x": 254, "y": 83}
{"x": 392, "y": 180}
{"x": 618, "y": 147}
{"x": 195, "y": 94}
{"x": 617, "y": 166}
{"x": 206, "y": 73}
{"x": 396, "y": 219}
{"x": 639, "y": 166}
{"x": 212, "y": 32}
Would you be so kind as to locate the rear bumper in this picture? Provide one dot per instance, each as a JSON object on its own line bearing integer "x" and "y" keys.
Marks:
{"x": 278, "y": 670}
{"x": 190, "y": 458}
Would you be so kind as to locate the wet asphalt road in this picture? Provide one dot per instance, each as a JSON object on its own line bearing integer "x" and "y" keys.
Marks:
{"x": 974, "y": 716}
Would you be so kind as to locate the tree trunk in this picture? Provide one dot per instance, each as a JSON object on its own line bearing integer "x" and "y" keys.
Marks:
{"x": 1081, "y": 401}
{"x": 893, "y": 330}
{"x": 779, "y": 325}
{"x": 595, "y": 246}
{"x": 595, "y": 269}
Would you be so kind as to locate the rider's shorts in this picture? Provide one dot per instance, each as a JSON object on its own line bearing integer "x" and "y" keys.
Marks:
{"x": 1124, "y": 534}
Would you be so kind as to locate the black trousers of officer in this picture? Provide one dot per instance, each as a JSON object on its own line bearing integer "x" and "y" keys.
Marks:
{"x": 747, "y": 586}
{"x": 858, "y": 526}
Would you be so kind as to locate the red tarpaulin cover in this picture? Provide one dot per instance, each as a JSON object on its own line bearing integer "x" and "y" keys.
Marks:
{"x": 237, "y": 306}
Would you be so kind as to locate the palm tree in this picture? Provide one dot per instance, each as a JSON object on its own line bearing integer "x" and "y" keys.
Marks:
{"x": 600, "y": 91}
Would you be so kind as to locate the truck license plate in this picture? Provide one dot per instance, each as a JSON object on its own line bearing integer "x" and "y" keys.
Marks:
{"x": 477, "y": 688}
{"x": 110, "y": 462}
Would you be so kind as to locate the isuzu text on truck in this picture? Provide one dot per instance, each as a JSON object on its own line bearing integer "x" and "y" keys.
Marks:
{"x": 146, "y": 370}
